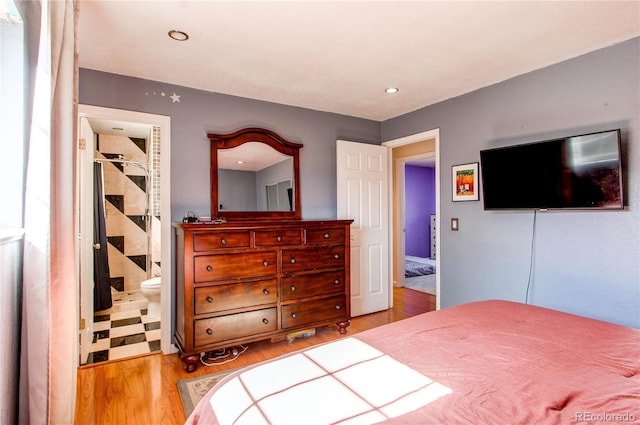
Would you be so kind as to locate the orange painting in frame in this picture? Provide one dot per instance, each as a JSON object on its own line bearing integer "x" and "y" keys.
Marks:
{"x": 465, "y": 182}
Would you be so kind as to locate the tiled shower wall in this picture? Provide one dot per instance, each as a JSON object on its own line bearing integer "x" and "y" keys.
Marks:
{"x": 134, "y": 244}
{"x": 156, "y": 253}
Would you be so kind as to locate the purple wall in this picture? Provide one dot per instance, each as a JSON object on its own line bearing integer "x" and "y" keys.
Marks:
{"x": 420, "y": 203}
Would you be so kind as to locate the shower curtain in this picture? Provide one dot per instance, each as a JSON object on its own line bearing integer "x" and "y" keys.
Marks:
{"x": 101, "y": 276}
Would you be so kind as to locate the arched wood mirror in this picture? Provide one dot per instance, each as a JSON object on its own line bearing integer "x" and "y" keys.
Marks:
{"x": 255, "y": 175}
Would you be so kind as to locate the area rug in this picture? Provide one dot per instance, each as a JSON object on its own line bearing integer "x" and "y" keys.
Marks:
{"x": 193, "y": 389}
{"x": 426, "y": 283}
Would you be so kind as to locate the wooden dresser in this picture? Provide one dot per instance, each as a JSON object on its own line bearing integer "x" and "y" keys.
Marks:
{"x": 239, "y": 282}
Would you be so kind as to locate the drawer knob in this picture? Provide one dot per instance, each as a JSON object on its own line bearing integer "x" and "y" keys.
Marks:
{"x": 265, "y": 291}
{"x": 336, "y": 282}
{"x": 336, "y": 256}
{"x": 265, "y": 321}
{"x": 326, "y": 235}
{"x": 294, "y": 315}
{"x": 293, "y": 288}
{"x": 209, "y": 331}
{"x": 209, "y": 268}
{"x": 338, "y": 307}
{"x": 209, "y": 300}
{"x": 223, "y": 241}
{"x": 279, "y": 238}
{"x": 265, "y": 263}
{"x": 293, "y": 261}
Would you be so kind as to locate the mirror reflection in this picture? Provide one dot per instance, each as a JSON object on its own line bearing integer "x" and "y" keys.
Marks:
{"x": 255, "y": 177}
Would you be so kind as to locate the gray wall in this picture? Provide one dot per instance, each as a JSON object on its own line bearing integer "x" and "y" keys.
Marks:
{"x": 276, "y": 173}
{"x": 586, "y": 263}
{"x": 237, "y": 190}
{"x": 199, "y": 112}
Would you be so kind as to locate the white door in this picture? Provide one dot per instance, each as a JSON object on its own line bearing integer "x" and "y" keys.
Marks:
{"x": 363, "y": 197}
{"x": 85, "y": 228}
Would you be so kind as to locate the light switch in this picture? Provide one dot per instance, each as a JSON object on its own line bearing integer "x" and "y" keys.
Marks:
{"x": 454, "y": 224}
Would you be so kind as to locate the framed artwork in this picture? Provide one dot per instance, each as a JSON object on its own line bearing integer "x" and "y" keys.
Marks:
{"x": 464, "y": 179}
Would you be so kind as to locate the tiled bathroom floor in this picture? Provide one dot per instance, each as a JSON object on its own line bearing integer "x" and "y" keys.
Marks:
{"x": 126, "y": 300}
{"x": 123, "y": 334}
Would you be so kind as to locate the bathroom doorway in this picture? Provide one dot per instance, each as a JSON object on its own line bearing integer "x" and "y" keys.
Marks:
{"x": 121, "y": 170}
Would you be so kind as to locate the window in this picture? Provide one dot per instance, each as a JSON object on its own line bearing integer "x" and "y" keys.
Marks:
{"x": 12, "y": 112}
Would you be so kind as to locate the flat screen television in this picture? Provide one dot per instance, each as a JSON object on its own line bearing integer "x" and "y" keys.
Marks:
{"x": 578, "y": 172}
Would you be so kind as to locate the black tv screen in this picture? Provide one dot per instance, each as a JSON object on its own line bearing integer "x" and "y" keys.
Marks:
{"x": 575, "y": 172}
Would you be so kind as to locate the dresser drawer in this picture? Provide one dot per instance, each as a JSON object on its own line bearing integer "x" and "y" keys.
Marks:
{"x": 211, "y": 299}
{"x": 301, "y": 286}
{"x": 231, "y": 266}
{"x": 278, "y": 237}
{"x": 301, "y": 314}
{"x": 325, "y": 235}
{"x": 216, "y": 329}
{"x": 220, "y": 240}
{"x": 297, "y": 260}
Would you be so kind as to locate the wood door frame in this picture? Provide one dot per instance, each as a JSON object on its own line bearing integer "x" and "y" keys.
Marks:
{"x": 164, "y": 122}
{"x": 402, "y": 141}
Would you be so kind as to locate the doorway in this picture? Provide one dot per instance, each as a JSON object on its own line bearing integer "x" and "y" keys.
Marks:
{"x": 417, "y": 221}
{"x": 416, "y": 148}
{"x": 130, "y": 151}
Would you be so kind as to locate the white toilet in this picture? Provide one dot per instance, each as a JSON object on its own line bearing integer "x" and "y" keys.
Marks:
{"x": 150, "y": 288}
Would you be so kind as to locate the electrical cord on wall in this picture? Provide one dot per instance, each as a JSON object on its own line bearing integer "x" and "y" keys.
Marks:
{"x": 532, "y": 256}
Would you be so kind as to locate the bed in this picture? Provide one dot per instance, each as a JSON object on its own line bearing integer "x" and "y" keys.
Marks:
{"x": 418, "y": 266}
{"x": 496, "y": 362}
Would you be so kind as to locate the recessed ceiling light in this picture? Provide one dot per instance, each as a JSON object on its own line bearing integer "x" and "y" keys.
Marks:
{"x": 391, "y": 90}
{"x": 178, "y": 35}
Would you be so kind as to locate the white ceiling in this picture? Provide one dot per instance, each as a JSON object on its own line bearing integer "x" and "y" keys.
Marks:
{"x": 120, "y": 128}
{"x": 252, "y": 156}
{"x": 339, "y": 56}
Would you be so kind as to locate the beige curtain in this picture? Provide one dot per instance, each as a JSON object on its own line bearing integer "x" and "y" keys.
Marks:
{"x": 49, "y": 346}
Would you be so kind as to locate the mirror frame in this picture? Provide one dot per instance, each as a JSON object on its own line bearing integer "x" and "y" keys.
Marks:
{"x": 260, "y": 135}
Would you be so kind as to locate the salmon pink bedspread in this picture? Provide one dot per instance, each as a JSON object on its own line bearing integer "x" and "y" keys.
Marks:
{"x": 488, "y": 362}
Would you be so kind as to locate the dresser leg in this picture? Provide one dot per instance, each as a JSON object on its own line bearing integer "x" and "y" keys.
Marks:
{"x": 191, "y": 362}
{"x": 342, "y": 326}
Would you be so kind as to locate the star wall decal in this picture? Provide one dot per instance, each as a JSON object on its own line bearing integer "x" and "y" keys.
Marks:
{"x": 175, "y": 98}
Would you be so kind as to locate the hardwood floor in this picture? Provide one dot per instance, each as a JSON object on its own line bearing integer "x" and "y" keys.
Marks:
{"x": 143, "y": 390}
